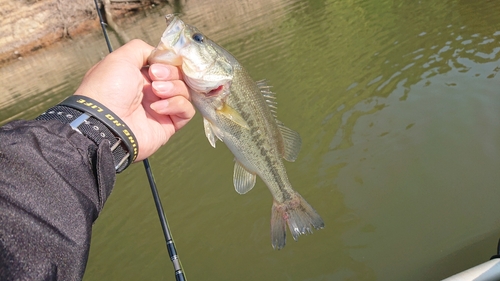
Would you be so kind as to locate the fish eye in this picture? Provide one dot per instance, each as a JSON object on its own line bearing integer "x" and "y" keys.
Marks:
{"x": 198, "y": 37}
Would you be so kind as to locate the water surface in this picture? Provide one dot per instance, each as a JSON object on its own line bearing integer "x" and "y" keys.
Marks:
{"x": 397, "y": 103}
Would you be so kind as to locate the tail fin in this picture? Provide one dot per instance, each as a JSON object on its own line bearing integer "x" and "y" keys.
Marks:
{"x": 299, "y": 215}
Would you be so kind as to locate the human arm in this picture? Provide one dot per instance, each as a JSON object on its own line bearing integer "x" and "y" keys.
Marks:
{"x": 54, "y": 181}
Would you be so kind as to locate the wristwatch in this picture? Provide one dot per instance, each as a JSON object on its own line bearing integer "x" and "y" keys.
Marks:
{"x": 96, "y": 122}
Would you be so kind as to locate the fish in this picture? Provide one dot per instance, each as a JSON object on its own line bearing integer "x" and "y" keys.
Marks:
{"x": 241, "y": 113}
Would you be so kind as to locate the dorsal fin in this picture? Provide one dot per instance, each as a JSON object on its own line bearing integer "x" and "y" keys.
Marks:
{"x": 292, "y": 142}
{"x": 291, "y": 139}
{"x": 269, "y": 96}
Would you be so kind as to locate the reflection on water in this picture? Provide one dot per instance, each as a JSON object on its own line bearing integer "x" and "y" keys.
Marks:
{"x": 397, "y": 105}
{"x": 33, "y": 83}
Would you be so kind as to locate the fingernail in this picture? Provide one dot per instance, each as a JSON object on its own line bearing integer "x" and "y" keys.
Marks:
{"x": 159, "y": 71}
{"x": 160, "y": 106}
{"x": 163, "y": 87}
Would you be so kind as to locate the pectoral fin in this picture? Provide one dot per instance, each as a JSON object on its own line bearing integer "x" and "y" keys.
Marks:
{"x": 243, "y": 180}
{"x": 291, "y": 141}
{"x": 232, "y": 115}
{"x": 210, "y": 132}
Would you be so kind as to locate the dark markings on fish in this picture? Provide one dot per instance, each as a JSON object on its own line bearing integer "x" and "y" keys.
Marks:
{"x": 260, "y": 133}
{"x": 245, "y": 115}
{"x": 260, "y": 142}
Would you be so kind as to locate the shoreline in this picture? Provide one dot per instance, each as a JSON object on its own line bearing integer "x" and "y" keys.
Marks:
{"x": 30, "y": 25}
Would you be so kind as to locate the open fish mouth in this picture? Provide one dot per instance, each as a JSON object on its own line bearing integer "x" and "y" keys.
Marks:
{"x": 205, "y": 67}
{"x": 172, "y": 20}
{"x": 171, "y": 43}
{"x": 173, "y": 37}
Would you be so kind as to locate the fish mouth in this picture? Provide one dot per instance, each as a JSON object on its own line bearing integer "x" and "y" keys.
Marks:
{"x": 171, "y": 42}
{"x": 173, "y": 37}
{"x": 198, "y": 72}
{"x": 171, "y": 20}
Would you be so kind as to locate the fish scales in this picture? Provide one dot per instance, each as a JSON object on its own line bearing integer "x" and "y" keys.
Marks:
{"x": 242, "y": 114}
{"x": 252, "y": 105}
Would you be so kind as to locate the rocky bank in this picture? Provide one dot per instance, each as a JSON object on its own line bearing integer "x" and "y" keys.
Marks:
{"x": 29, "y": 25}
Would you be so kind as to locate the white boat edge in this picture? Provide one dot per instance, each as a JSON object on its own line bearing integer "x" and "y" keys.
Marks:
{"x": 488, "y": 271}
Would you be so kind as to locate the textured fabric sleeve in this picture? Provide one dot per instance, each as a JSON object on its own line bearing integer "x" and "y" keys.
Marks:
{"x": 53, "y": 184}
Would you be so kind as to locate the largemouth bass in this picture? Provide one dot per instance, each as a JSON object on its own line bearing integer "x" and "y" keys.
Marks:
{"x": 242, "y": 114}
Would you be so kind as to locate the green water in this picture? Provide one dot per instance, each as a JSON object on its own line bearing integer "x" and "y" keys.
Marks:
{"x": 398, "y": 106}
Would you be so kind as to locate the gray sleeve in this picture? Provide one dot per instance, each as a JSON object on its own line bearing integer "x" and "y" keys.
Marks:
{"x": 53, "y": 184}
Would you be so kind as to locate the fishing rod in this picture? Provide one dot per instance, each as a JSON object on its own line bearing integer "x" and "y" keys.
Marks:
{"x": 172, "y": 252}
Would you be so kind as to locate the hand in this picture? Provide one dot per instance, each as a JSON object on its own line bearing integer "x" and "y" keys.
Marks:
{"x": 152, "y": 101}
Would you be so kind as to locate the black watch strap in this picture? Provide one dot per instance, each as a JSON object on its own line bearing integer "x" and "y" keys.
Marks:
{"x": 94, "y": 129}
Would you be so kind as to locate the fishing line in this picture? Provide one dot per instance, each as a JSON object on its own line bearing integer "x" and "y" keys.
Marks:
{"x": 172, "y": 252}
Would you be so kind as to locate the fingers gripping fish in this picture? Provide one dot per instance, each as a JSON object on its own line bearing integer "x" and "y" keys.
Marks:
{"x": 241, "y": 113}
